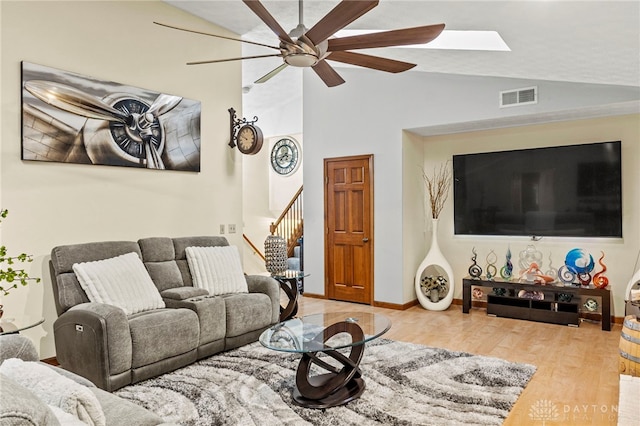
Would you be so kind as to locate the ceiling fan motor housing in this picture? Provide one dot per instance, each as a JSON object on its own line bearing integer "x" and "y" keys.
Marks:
{"x": 302, "y": 52}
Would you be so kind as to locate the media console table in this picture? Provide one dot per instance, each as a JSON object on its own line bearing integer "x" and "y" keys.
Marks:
{"x": 552, "y": 309}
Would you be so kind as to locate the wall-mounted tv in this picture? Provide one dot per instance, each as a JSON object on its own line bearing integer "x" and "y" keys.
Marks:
{"x": 567, "y": 191}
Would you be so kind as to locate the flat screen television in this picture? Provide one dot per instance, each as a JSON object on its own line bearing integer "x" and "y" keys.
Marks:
{"x": 567, "y": 191}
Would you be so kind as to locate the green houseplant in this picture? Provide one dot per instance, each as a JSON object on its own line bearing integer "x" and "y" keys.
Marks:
{"x": 11, "y": 275}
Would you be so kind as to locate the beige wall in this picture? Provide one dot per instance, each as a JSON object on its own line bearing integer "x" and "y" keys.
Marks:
{"x": 620, "y": 254}
{"x": 52, "y": 203}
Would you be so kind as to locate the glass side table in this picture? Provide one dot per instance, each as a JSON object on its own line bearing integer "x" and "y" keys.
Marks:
{"x": 289, "y": 284}
{"x": 16, "y": 325}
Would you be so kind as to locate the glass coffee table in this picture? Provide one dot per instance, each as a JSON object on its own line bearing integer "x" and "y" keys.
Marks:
{"x": 332, "y": 342}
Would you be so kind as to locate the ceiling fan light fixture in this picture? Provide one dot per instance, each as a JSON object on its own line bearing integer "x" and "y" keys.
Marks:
{"x": 301, "y": 59}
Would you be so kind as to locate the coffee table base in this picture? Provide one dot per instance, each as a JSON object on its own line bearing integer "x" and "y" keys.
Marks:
{"x": 341, "y": 384}
{"x": 344, "y": 395}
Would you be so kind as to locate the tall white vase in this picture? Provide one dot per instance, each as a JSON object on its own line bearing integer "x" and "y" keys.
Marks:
{"x": 434, "y": 264}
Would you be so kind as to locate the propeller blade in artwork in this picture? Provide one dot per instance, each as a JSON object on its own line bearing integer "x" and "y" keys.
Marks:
{"x": 342, "y": 15}
{"x": 404, "y": 37}
{"x": 75, "y": 101}
{"x": 368, "y": 61}
{"x": 330, "y": 77}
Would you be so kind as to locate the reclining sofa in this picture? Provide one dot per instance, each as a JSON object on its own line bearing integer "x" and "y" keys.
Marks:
{"x": 111, "y": 348}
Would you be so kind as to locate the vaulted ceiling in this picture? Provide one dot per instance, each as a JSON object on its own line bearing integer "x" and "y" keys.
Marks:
{"x": 572, "y": 41}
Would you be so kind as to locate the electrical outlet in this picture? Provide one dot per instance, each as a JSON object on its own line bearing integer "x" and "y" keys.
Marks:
{"x": 232, "y": 228}
{"x": 222, "y": 229}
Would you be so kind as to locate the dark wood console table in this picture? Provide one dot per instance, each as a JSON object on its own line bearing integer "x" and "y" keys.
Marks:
{"x": 551, "y": 309}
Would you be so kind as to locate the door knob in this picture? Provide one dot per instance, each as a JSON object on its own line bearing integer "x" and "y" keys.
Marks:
{"x": 365, "y": 239}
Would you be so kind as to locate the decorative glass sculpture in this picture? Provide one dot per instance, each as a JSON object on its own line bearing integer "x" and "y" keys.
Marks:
{"x": 565, "y": 297}
{"x": 475, "y": 270}
{"x": 492, "y": 271}
{"x": 499, "y": 291}
{"x": 579, "y": 261}
{"x": 477, "y": 293}
{"x": 552, "y": 272}
{"x": 531, "y": 294}
{"x": 528, "y": 256}
{"x": 590, "y": 305}
{"x": 566, "y": 275}
{"x": 599, "y": 280}
{"x": 275, "y": 254}
{"x": 581, "y": 264}
{"x": 506, "y": 272}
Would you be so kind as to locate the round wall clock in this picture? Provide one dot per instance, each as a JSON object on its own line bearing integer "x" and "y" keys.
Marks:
{"x": 249, "y": 139}
{"x": 285, "y": 156}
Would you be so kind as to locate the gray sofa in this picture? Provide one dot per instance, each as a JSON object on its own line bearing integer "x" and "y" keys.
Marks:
{"x": 21, "y": 406}
{"x": 112, "y": 349}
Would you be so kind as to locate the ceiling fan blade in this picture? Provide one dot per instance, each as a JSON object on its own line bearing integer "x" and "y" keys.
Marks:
{"x": 342, "y": 15}
{"x": 266, "y": 17}
{"x": 271, "y": 74}
{"x": 215, "y": 35}
{"x": 213, "y": 61}
{"x": 330, "y": 77}
{"x": 407, "y": 36}
{"x": 368, "y": 61}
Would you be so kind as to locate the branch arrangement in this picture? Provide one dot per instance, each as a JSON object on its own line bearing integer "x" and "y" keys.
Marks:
{"x": 438, "y": 185}
{"x": 12, "y": 276}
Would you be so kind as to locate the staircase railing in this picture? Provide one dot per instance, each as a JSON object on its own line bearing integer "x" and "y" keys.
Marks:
{"x": 253, "y": 247}
{"x": 290, "y": 225}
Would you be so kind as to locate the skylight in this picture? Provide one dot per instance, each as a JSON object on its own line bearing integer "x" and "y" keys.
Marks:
{"x": 451, "y": 40}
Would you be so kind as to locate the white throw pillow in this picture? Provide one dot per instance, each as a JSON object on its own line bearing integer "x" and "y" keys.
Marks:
{"x": 122, "y": 281}
{"x": 217, "y": 269}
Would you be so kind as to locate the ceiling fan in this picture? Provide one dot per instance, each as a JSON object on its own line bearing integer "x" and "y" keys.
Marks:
{"x": 303, "y": 47}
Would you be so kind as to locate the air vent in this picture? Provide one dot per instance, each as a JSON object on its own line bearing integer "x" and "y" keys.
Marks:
{"x": 525, "y": 96}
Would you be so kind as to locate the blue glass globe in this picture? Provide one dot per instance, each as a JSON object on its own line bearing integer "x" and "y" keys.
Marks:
{"x": 579, "y": 261}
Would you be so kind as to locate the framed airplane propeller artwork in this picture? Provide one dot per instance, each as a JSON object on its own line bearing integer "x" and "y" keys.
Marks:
{"x": 71, "y": 118}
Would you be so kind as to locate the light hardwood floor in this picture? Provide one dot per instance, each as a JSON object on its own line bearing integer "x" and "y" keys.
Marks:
{"x": 577, "y": 368}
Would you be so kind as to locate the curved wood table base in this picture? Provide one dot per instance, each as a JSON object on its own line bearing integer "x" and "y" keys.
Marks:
{"x": 341, "y": 384}
{"x": 290, "y": 288}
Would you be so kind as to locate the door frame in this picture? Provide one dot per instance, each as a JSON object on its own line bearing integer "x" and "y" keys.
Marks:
{"x": 371, "y": 244}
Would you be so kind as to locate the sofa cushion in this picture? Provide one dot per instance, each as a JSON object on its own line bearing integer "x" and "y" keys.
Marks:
{"x": 247, "y": 312}
{"x": 159, "y": 256}
{"x": 121, "y": 281}
{"x": 66, "y": 288}
{"x": 161, "y": 334}
{"x": 217, "y": 269}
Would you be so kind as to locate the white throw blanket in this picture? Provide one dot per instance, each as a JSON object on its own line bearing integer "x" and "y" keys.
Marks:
{"x": 56, "y": 390}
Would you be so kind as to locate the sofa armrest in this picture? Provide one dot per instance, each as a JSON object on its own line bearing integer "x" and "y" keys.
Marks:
{"x": 94, "y": 341}
{"x": 268, "y": 286}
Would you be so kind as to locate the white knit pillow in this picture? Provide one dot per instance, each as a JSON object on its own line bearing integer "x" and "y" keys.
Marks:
{"x": 217, "y": 269}
{"x": 122, "y": 281}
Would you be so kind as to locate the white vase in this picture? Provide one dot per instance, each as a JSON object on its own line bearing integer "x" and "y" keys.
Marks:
{"x": 434, "y": 264}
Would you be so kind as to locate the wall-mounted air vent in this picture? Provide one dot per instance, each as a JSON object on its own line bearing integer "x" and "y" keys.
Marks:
{"x": 526, "y": 96}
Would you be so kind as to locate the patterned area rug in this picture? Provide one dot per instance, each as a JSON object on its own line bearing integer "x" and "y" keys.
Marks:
{"x": 406, "y": 384}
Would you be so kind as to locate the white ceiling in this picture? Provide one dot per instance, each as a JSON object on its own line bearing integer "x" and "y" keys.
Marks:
{"x": 572, "y": 41}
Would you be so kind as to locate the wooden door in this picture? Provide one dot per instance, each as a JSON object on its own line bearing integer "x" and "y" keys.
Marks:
{"x": 349, "y": 229}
